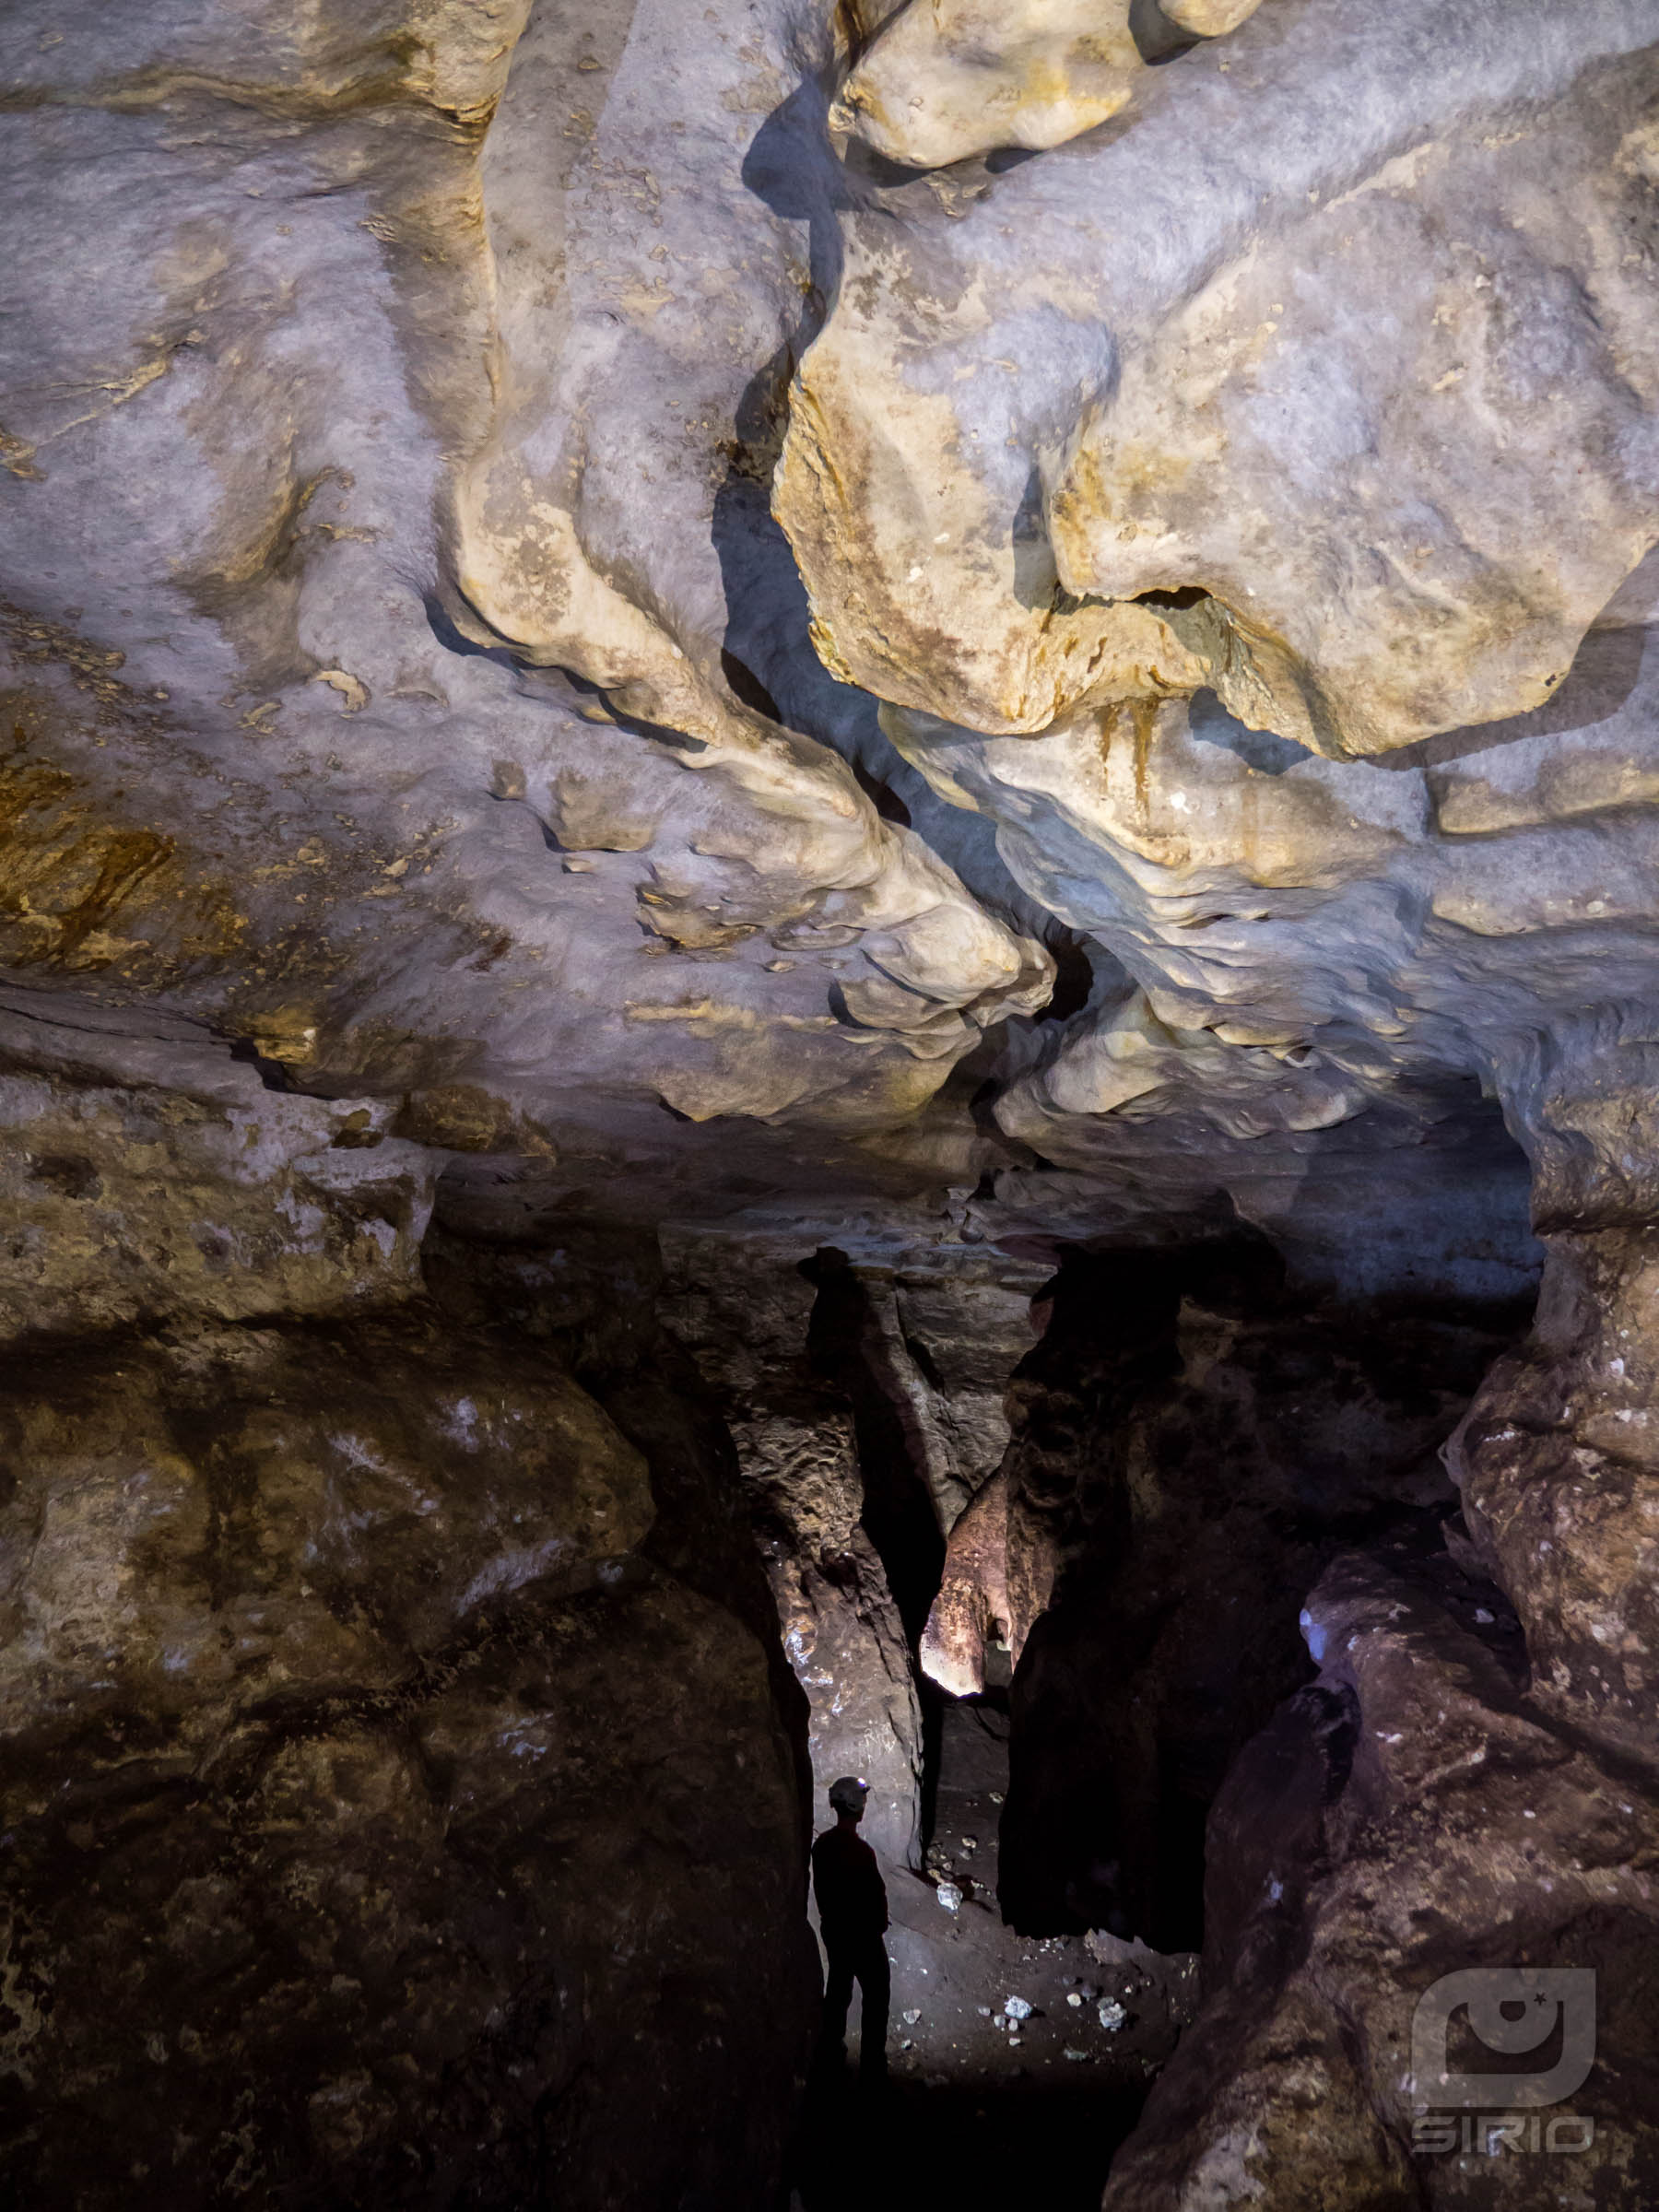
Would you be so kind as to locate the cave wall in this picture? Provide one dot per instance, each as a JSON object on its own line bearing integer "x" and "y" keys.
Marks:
{"x": 1419, "y": 1811}
{"x": 745, "y": 1315}
{"x": 1192, "y": 1440}
{"x": 393, "y": 1741}
{"x": 865, "y": 1398}
{"x": 1332, "y": 1643}
{"x": 1468, "y": 1781}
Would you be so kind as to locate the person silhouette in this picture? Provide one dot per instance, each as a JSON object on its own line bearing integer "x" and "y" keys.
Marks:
{"x": 853, "y": 1916}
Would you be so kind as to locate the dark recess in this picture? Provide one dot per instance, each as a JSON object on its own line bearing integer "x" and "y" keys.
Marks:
{"x": 897, "y": 1515}
{"x": 1191, "y": 1518}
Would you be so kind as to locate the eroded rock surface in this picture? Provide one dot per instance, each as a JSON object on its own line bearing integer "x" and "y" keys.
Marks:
{"x": 1192, "y": 1445}
{"x": 1130, "y": 400}
{"x": 974, "y": 1609}
{"x": 1559, "y": 1485}
{"x": 344, "y": 1850}
{"x": 343, "y": 1856}
{"x": 749, "y": 1327}
{"x": 798, "y": 661}
{"x": 945, "y": 82}
{"x": 348, "y": 360}
{"x": 152, "y": 1177}
{"x": 1413, "y": 1814}
{"x": 434, "y": 710}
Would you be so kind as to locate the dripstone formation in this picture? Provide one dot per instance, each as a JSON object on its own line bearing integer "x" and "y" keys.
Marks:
{"x": 829, "y": 843}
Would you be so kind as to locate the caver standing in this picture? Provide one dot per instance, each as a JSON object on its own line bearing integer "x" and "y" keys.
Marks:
{"x": 853, "y": 1915}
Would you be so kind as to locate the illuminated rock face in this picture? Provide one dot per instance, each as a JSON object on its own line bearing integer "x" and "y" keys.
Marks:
{"x": 687, "y": 696}
{"x": 407, "y": 679}
{"x": 974, "y": 1608}
{"x": 960, "y": 77}
{"x": 311, "y": 785}
{"x": 1169, "y": 398}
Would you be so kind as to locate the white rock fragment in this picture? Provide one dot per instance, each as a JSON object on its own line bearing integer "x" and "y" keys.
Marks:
{"x": 949, "y": 1896}
{"x": 1016, "y": 2008}
{"x": 1113, "y": 2016}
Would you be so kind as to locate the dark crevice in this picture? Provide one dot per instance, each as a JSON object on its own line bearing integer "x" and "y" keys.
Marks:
{"x": 1074, "y": 976}
{"x": 1190, "y": 1518}
{"x": 1007, "y": 158}
{"x": 455, "y": 639}
{"x": 747, "y": 686}
{"x": 1157, "y": 38}
{"x": 1178, "y": 601}
{"x": 897, "y": 1515}
{"x": 886, "y": 801}
{"x": 271, "y": 1073}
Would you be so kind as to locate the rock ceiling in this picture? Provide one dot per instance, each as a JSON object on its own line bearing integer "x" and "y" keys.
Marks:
{"x": 1048, "y": 637}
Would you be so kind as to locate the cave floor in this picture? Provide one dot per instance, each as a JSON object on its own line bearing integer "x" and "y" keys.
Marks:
{"x": 971, "y": 2103}
{"x": 918, "y": 2144}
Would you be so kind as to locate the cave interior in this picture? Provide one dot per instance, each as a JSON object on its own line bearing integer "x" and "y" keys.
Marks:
{"x": 829, "y": 870}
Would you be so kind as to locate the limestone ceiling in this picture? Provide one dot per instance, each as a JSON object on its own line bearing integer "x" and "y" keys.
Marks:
{"x": 1207, "y": 554}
